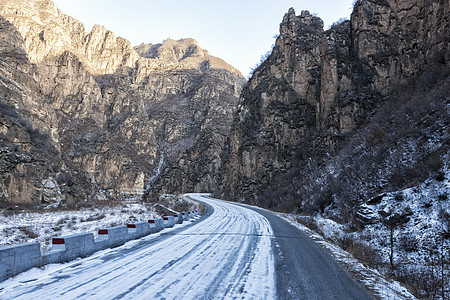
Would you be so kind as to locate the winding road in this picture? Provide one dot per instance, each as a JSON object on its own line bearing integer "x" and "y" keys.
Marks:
{"x": 231, "y": 252}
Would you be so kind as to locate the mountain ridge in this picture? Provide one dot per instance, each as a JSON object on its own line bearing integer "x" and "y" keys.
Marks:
{"x": 100, "y": 50}
{"x": 114, "y": 118}
{"x": 318, "y": 88}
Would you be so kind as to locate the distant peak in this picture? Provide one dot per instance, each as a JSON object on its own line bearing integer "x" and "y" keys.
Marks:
{"x": 291, "y": 20}
{"x": 181, "y": 41}
{"x": 185, "y": 53}
{"x": 290, "y": 16}
{"x": 172, "y": 50}
{"x": 99, "y": 29}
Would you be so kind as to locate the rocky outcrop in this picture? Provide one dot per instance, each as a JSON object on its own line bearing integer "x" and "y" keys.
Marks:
{"x": 116, "y": 121}
{"x": 400, "y": 39}
{"x": 181, "y": 54}
{"x": 318, "y": 88}
{"x": 30, "y": 164}
{"x": 48, "y": 33}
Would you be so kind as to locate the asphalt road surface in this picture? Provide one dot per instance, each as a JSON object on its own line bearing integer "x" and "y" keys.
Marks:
{"x": 231, "y": 252}
{"x": 304, "y": 270}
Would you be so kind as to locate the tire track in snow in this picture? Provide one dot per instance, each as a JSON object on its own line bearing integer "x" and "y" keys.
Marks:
{"x": 227, "y": 255}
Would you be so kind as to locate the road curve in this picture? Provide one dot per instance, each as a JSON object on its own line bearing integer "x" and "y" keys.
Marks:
{"x": 225, "y": 255}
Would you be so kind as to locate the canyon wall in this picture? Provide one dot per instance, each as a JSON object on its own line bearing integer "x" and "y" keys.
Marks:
{"x": 116, "y": 120}
{"x": 318, "y": 89}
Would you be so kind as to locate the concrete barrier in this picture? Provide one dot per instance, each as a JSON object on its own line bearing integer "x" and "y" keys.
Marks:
{"x": 156, "y": 225}
{"x": 53, "y": 257}
{"x": 73, "y": 246}
{"x": 178, "y": 218}
{"x": 131, "y": 229}
{"x": 137, "y": 230}
{"x": 169, "y": 221}
{"x": 18, "y": 258}
{"x": 115, "y": 236}
{"x": 152, "y": 224}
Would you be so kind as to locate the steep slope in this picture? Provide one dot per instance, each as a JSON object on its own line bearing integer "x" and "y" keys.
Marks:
{"x": 31, "y": 169}
{"x": 317, "y": 89}
{"x": 117, "y": 119}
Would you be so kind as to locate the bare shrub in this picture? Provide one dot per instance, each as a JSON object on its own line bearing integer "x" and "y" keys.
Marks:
{"x": 182, "y": 205}
{"x": 132, "y": 219}
{"x": 399, "y": 197}
{"x": 408, "y": 243}
{"x": 423, "y": 281}
{"x": 95, "y": 217}
{"x": 162, "y": 211}
{"x": 308, "y": 222}
{"x": 360, "y": 251}
{"x": 28, "y": 232}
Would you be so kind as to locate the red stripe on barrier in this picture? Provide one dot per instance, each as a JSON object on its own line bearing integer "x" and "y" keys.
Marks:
{"x": 58, "y": 241}
{"x": 175, "y": 216}
{"x": 183, "y": 214}
{"x": 103, "y": 231}
{"x": 165, "y": 219}
{"x": 151, "y": 221}
{"x": 131, "y": 226}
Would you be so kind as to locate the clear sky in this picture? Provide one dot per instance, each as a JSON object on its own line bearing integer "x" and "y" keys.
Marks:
{"x": 238, "y": 31}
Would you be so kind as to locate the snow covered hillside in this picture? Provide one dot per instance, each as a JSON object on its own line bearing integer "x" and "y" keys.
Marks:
{"x": 404, "y": 234}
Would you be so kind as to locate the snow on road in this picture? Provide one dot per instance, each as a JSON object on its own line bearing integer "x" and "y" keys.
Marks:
{"x": 227, "y": 255}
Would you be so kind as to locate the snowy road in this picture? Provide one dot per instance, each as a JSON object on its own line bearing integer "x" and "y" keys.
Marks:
{"x": 226, "y": 255}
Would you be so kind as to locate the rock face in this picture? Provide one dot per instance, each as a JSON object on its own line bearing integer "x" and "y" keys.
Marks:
{"x": 399, "y": 39}
{"x": 49, "y": 33}
{"x": 182, "y": 54}
{"x": 29, "y": 161}
{"x": 318, "y": 89}
{"x": 112, "y": 121}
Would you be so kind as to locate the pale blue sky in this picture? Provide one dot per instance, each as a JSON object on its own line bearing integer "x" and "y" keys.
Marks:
{"x": 237, "y": 31}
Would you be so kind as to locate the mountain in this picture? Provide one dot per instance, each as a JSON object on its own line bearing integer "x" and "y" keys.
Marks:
{"x": 348, "y": 128}
{"x": 28, "y": 158}
{"x": 326, "y": 120}
{"x": 110, "y": 119}
{"x": 185, "y": 54}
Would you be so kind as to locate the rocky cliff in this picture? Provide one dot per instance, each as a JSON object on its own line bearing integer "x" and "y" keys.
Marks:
{"x": 114, "y": 121}
{"x": 29, "y": 161}
{"x": 320, "y": 90}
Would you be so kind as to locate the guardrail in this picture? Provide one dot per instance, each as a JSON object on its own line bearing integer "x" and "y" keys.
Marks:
{"x": 19, "y": 258}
